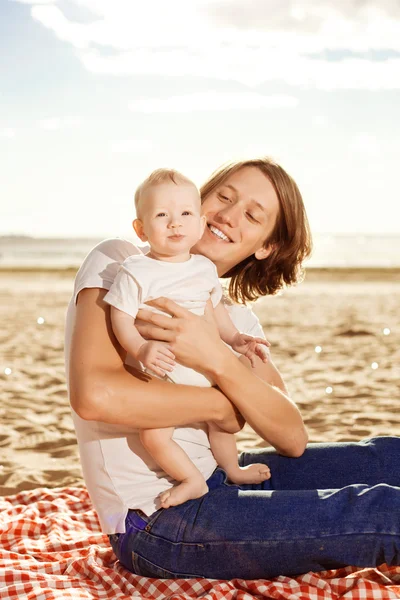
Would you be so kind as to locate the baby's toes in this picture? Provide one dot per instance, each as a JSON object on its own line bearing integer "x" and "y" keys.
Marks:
{"x": 164, "y": 496}
{"x": 265, "y": 475}
{"x": 264, "y": 472}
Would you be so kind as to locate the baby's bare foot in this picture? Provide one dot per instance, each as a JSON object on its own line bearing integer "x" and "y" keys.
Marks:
{"x": 189, "y": 489}
{"x": 256, "y": 473}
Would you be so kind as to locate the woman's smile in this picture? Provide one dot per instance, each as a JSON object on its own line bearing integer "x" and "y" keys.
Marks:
{"x": 218, "y": 234}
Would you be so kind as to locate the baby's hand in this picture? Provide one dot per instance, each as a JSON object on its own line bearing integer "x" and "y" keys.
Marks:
{"x": 157, "y": 357}
{"x": 251, "y": 347}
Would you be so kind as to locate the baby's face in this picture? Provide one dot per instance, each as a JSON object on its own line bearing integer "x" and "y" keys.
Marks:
{"x": 171, "y": 219}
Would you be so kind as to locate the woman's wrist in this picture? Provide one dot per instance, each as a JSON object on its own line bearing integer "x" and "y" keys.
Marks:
{"x": 221, "y": 363}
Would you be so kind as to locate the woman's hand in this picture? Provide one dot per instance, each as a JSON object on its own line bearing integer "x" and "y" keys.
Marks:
{"x": 193, "y": 339}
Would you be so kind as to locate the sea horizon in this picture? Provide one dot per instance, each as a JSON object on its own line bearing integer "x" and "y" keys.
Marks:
{"x": 331, "y": 250}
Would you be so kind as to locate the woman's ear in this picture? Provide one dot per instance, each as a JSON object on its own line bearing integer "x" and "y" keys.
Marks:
{"x": 263, "y": 252}
{"x": 137, "y": 225}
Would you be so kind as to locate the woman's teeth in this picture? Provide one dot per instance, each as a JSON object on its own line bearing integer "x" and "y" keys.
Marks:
{"x": 218, "y": 233}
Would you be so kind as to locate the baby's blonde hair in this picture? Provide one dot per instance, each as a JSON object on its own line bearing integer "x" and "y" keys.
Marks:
{"x": 158, "y": 177}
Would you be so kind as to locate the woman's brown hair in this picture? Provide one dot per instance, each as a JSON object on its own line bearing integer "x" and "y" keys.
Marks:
{"x": 291, "y": 236}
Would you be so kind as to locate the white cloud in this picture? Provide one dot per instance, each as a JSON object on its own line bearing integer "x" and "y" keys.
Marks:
{"x": 35, "y": 1}
{"x": 212, "y": 101}
{"x": 122, "y": 146}
{"x": 54, "y": 123}
{"x": 250, "y": 43}
{"x": 244, "y": 66}
{"x": 306, "y": 15}
{"x": 7, "y": 133}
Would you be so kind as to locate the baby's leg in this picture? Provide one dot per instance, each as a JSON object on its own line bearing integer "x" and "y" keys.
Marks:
{"x": 176, "y": 463}
{"x": 223, "y": 446}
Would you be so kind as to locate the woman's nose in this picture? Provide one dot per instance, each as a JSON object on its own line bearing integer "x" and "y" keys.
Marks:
{"x": 230, "y": 215}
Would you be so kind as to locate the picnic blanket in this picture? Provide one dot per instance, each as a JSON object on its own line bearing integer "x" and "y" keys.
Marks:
{"x": 52, "y": 547}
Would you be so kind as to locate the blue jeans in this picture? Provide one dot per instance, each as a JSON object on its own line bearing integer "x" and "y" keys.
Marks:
{"x": 337, "y": 505}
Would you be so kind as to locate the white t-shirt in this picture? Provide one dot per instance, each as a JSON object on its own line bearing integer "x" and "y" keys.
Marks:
{"x": 190, "y": 284}
{"x": 118, "y": 472}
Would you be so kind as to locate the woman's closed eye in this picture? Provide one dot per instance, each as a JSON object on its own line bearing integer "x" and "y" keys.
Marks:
{"x": 251, "y": 217}
{"x": 223, "y": 198}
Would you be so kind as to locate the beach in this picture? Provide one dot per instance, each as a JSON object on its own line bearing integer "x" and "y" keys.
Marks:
{"x": 335, "y": 338}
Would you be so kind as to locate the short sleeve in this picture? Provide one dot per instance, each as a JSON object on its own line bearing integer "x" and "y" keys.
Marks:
{"x": 216, "y": 292}
{"x": 101, "y": 265}
{"x": 254, "y": 326}
{"x": 245, "y": 320}
{"x": 125, "y": 292}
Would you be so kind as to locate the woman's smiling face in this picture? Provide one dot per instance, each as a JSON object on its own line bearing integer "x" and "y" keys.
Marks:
{"x": 241, "y": 214}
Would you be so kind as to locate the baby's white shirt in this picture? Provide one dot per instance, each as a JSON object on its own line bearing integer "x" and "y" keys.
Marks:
{"x": 190, "y": 284}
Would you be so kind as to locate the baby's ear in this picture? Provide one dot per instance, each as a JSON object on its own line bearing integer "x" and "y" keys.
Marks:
{"x": 137, "y": 225}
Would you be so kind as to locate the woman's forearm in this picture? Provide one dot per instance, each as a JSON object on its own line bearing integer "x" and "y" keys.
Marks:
{"x": 267, "y": 409}
{"x": 125, "y": 397}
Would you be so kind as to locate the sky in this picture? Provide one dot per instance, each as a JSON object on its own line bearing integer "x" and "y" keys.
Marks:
{"x": 95, "y": 94}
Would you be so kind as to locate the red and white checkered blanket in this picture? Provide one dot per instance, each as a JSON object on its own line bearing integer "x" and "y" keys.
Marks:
{"x": 51, "y": 546}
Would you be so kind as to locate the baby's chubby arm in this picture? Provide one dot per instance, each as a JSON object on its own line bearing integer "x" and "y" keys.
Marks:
{"x": 245, "y": 344}
{"x": 153, "y": 354}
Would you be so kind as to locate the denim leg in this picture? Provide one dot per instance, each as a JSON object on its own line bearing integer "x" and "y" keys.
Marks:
{"x": 335, "y": 465}
{"x": 259, "y": 533}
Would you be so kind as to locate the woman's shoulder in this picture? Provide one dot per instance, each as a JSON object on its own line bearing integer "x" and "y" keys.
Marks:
{"x": 115, "y": 248}
{"x": 101, "y": 265}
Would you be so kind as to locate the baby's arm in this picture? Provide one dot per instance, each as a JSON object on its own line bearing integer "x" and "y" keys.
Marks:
{"x": 245, "y": 344}
{"x": 153, "y": 354}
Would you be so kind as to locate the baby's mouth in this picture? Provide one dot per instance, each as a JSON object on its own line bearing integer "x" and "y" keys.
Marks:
{"x": 218, "y": 233}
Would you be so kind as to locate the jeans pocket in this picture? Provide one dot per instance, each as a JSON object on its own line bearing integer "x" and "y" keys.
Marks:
{"x": 146, "y": 568}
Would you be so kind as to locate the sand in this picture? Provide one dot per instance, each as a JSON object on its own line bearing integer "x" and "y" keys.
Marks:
{"x": 344, "y": 313}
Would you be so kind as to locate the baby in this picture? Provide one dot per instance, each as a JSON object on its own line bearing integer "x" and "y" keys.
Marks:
{"x": 168, "y": 218}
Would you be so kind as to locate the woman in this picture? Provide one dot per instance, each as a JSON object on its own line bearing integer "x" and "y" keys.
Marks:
{"x": 324, "y": 506}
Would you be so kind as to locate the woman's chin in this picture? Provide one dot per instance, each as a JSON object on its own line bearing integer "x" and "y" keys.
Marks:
{"x": 214, "y": 249}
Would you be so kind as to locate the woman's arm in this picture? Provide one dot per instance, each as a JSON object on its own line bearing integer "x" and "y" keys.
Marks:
{"x": 102, "y": 388}
{"x": 261, "y": 396}
{"x": 258, "y": 393}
